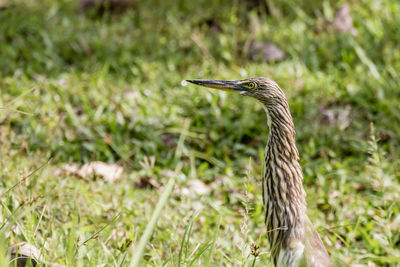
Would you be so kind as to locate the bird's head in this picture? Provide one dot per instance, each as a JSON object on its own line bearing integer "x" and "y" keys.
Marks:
{"x": 263, "y": 89}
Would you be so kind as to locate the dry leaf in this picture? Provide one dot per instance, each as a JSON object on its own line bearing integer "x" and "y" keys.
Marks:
{"x": 198, "y": 187}
{"x": 109, "y": 172}
{"x": 265, "y": 51}
{"x": 343, "y": 21}
{"x": 192, "y": 188}
{"x": 169, "y": 140}
{"x": 339, "y": 116}
{"x": 4, "y": 6}
{"x": 168, "y": 173}
{"x": 146, "y": 182}
{"x": 23, "y": 251}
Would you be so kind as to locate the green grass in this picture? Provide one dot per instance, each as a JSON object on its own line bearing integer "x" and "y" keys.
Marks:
{"x": 71, "y": 82}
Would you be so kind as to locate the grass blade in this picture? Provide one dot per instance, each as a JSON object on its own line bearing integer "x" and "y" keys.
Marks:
{"x": 202, "y": 249}
{"x": 139, "y": 250}
{"x": 27, "y": 176}
{"x": 212, "y": 245}
{"x": 186, "y": 238}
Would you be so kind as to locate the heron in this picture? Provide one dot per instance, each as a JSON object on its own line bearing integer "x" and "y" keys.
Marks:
{"x": 293, "y": 239}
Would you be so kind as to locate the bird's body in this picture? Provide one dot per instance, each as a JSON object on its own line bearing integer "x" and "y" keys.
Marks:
{"x": 293, "y": 239}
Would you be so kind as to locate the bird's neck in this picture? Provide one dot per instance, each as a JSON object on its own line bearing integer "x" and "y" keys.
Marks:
{"x": 282, "y": 135}
{"x": 283, "y": 193}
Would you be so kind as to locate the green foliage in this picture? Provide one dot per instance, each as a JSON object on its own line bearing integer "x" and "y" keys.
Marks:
{"x": 78, "y": 88}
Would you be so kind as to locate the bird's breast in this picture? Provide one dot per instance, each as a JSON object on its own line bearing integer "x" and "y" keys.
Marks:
{"x": 291, "y": 256}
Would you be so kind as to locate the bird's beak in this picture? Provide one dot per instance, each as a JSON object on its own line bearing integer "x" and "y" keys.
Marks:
{"x": 221, "y": 85}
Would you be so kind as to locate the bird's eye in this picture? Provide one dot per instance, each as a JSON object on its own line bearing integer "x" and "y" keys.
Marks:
{"x": 251, "y": 85}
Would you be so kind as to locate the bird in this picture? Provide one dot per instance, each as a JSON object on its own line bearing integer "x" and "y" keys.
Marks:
{"x": 293, "y": 240}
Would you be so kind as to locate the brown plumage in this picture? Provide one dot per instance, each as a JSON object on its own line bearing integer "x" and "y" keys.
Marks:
{"x": 293, "y": 239}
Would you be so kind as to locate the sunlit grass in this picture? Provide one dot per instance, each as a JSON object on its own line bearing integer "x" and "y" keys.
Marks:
{"x": 76, "y": 88}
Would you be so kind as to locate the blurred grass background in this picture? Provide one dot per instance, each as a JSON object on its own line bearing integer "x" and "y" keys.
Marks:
{"x": 79, "y": 87}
